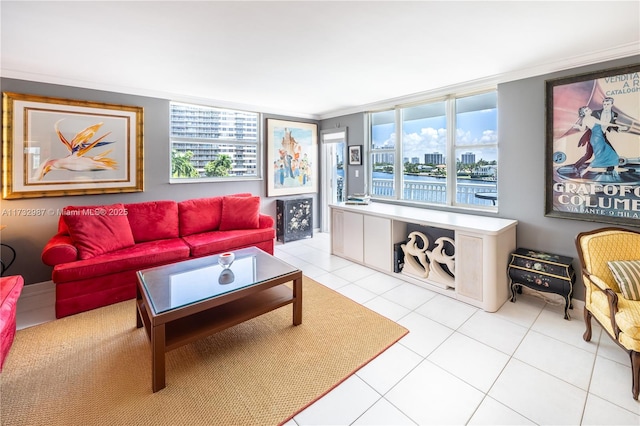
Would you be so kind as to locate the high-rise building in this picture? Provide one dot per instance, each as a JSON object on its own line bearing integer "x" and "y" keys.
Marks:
{"x": 210, "y": 132}
{"x": 194, "y": 121}
{"x": 383, "y": 157}
{"x": 244, "y": 158}
{"x": 468, "y": 158}
{"x": 434, "y": 158}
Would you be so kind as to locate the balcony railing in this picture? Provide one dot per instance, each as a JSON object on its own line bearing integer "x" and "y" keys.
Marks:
{"x": 436, "y": 192}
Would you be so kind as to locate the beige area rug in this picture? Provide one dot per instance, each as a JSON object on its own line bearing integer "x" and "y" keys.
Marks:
{"x": 95, "y": 367}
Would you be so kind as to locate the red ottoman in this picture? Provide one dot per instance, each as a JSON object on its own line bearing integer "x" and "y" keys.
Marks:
{"x": 10, "y": 289}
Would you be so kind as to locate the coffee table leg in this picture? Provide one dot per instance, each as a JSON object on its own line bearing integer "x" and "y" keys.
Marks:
{"x": 139, "y": 322}
{"x": 157, "y": 358}
{"x": 297, "y": 303}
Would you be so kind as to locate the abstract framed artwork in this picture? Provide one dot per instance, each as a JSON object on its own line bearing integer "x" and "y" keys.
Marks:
{"x": 355, "y": 155}
{"x": 593, "y": 146}
{"x": 292, "y": 157}
{"x": 58, "y": 147}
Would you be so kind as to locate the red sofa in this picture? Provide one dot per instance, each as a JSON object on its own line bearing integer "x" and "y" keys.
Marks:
{"x": 10, "y": 289}
{"x": 98, "y": 249}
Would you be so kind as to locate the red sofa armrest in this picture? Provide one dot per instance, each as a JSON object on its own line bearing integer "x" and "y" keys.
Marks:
{"x": 265, "y": 221}
{"x": 10, "y": 289}
{"x": 59, "y": 249}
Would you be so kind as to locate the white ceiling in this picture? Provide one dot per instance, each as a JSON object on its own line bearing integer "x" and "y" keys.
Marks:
{"x": 302, "y": 58}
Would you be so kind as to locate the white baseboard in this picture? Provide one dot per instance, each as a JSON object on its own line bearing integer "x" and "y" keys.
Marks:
{"x": 37, "y": 296}
{"x": 36, "y": 305}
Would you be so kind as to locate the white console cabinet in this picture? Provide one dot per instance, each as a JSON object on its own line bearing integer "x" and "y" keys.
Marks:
{"x": 367, "y": 234}
{"x": 349, "y": 231}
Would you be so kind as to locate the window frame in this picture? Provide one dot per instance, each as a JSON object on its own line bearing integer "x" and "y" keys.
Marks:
{"x": 450, "y": 152}
{"x": 228, "y": 142}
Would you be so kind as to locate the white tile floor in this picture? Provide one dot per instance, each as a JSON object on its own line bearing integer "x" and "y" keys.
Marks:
{"x": 524, "y": 364}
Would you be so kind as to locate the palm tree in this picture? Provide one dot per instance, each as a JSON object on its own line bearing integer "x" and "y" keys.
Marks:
{"x": 181, "y": 166}
{"x": 219, "y": 167}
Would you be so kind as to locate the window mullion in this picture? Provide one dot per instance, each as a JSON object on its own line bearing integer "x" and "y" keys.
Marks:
{"x": 451, "y": 151}
{"x": 398, "y": 165}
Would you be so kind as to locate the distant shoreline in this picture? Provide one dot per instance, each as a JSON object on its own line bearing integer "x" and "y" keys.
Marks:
{"x": 427, "y": 175}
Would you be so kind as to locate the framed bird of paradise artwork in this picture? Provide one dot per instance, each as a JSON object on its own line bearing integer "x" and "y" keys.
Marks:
{"x": 58, "y": 147}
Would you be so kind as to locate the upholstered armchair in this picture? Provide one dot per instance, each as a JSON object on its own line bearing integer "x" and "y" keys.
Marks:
{"x": 610, "y": 259}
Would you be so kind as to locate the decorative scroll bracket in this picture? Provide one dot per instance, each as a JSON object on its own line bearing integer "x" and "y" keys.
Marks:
{"x": 429, "y": 265}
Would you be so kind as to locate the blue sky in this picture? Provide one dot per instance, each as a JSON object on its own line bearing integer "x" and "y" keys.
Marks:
{"x": 428, "y": 135}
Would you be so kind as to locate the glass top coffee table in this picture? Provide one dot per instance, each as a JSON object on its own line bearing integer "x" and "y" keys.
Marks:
{"x": 189, "y": 300}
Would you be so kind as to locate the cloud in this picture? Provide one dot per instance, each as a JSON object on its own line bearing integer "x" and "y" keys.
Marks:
{"x": 464, "y": 137}
{"x": 489, "y": 136}
{"x": 429, "y": 140}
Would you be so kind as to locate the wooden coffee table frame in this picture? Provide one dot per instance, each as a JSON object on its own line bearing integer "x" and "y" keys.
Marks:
{"x": 177, "y": 327}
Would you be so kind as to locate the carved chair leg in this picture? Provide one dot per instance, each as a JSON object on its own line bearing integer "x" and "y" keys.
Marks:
{"x": 635, "y": 371}
{"x": 587, "y": 321}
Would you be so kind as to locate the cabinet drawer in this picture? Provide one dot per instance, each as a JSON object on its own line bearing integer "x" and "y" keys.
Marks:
{"x": 542, "y": 263}
{"x": 539, "y": 266}
{"x": 539, "y": 281}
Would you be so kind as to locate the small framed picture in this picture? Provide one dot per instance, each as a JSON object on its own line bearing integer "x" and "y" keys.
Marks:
{"x": 355, "y": 155}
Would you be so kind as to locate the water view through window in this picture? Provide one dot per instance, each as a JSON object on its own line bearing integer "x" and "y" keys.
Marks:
{"x": 438, "y": 165}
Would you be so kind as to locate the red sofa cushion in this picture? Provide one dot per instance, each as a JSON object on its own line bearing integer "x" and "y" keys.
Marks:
{"x": 201, "y": 214}
{"x": 153, "y": 220}
{"x": 207, "y": 243}
{"x": 140, "y": 256}
{"x": 240, "y": 213}
{"x": 96, "y": 230}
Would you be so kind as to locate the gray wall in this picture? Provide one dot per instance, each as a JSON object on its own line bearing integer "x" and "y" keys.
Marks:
{"x": 521, "y": 130}
{"x": 356, "y": 135}
{"x": 28, "y": 235}
{"x": 521, "y": 181}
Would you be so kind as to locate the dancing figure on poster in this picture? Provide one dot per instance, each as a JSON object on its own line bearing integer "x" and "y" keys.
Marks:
{"x": 606, "y": 115}
{"x": 604, "y": 155}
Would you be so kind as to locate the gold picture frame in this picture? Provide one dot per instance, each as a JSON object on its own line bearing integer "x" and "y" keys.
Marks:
{"x": 55, "y": 147}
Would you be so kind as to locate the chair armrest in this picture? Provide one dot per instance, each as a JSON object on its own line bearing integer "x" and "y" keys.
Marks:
{"x": 612, "y": 297}
{"x": 59, "y": 249}
{"x": 266, "y": 221}
{"x": 599, "y": 282}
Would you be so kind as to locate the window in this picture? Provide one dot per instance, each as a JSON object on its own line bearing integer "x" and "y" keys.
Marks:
{"x": 213, "y": 143}
{"x": 430, "y": 162}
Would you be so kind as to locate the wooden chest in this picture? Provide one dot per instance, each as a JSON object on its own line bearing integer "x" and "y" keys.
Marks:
{"x": 544, "y": 272}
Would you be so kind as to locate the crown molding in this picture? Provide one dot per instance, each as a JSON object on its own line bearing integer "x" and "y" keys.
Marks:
{"x": 620, "y": 52}
{"x": 177, "y": 97}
